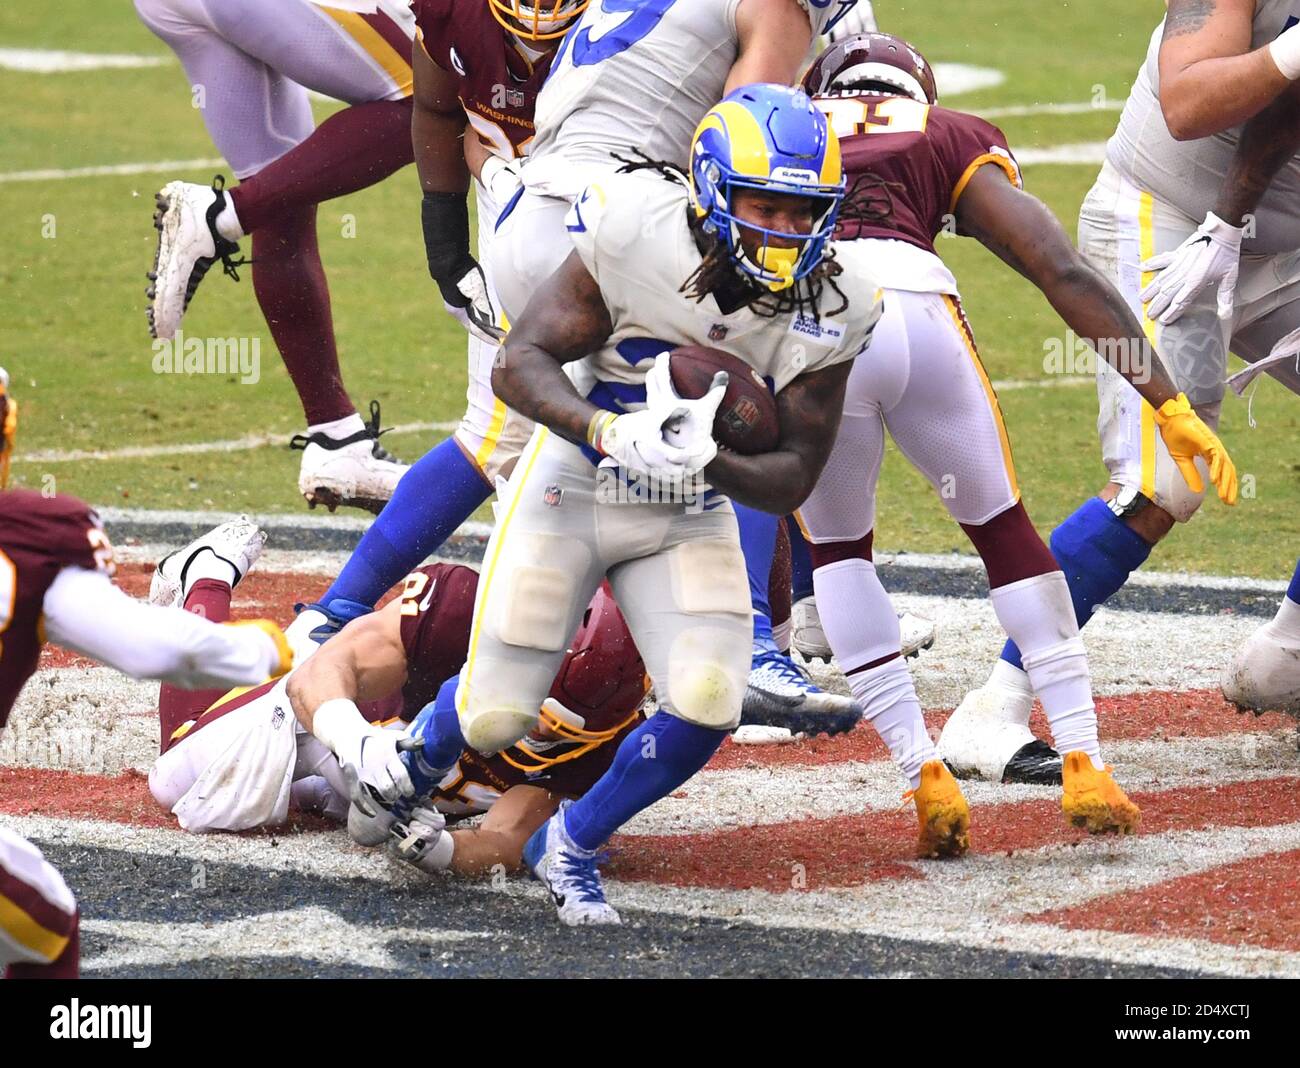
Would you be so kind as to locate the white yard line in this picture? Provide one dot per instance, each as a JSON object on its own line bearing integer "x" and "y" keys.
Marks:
{"x": 1086, "y": 152}
{"x": 51, "y": 61}
{"x": 145, "y": 452}
{"x": 1077, "y": 107}
{"x": 111, "y": 169}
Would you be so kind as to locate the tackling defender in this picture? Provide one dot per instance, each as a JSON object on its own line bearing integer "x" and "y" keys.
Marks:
{"x": 232, "y": 761}
{"x": 55, "y": 568}
{"x": 1146, "y": 203}
{"x": 923, "y": 381}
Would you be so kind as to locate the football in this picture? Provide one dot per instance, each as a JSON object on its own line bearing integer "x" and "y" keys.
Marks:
{"x": 747, "y": 421}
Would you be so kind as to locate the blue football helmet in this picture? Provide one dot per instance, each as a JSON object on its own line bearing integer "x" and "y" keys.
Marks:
{"x": 767, "y": 137}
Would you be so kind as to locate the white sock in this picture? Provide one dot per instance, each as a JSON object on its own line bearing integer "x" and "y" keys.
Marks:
{"x": 227, "y": 221}
{"x": 1286, "y": 624}
{"x": 1009, "y": 677}
{"x": 857, "y": 616}
{"x": 1038, "y": 616}
{"x": 781, "y": 635}
{"x": 208, "y": 565}
{"x": 891, "y": 706}
{"x": 339, "y": 428}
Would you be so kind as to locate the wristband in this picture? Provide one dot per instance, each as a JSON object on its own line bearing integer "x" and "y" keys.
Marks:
{"x": 1285, "y": 50}
{"x": 439, "y": 857}
{"x": 445, "y": 217}
{"x": 341, "y": 726}
{"x": 596, "y": 428}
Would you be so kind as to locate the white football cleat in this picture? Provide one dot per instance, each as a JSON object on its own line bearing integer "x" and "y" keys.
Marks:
{"x": 188, "y": 246}
{"x": 1264, "y": 676}
{"x": 569, "y": 873}
{"x": 988, "y": 737}
{"x": 238, "y": 542}
{"x": 353, "y": 471}
{"x": 808, "y": 637}
{"x": 781, "y": 693}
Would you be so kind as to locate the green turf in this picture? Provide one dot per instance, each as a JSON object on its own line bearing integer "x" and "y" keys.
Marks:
{"x": 72, "y": 328}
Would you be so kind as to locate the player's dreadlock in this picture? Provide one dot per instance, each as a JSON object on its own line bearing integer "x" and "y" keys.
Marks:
{"x": 868, "y": 200}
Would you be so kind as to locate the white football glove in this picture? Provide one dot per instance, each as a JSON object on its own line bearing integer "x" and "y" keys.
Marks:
{"x": 377, "y": 762}
{"x": 635, "y": 441}
{"x": 693, "y": 431}
{"x": 500, "y": 178}
{"x": 422, "y": 844}
{"x": 468, "y": 301}
{"x": 1210, "y": 257}
{"x": 860, "y": 19}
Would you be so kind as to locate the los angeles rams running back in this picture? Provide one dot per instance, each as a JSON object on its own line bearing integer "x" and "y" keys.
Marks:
{"x": 737, "y": 257}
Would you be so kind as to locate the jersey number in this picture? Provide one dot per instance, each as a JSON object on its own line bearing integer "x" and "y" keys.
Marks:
{"x": 413, "y": 586}
{"x": 8, "y": 594}
{"x": 642, "y": 17}
{"x": 852, "y": 116}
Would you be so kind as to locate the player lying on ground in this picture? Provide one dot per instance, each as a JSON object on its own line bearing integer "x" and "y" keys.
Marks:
{"x": 55, "y": 568}
{"x": 631, "y": 78}
{"x": 1146, "y": 204}
{"x": 924, "y": 382}
{"x": 250, "y": 64}
{"x": 232, "y": 761}
{"x": 743, "y": 241}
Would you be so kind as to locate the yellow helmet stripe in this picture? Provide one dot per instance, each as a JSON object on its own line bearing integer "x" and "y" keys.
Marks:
{"x": 749, "y": 151}
{"x": 832, "y": 165}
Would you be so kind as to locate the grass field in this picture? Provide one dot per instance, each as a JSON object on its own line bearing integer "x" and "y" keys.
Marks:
{"x": 72, "y": 328}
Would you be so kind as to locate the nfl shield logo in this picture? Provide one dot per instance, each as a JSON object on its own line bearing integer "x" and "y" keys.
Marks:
{"x": 553, "y": 496}
{"x": 717, "y": 332}
{"x": 514, "y": 98}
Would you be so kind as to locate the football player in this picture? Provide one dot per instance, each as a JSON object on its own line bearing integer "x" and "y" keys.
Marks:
{"x": 250, "y": 64}
{"x": 1265, "y": 673}
{"x": 231, "y": 761}
{"x": 1208, "y": 65}
{"x": 658, "y": 261}
{"x": 924, "y": 382}
{"x": 55, "y": 568}
{"x": 482, "y": 61}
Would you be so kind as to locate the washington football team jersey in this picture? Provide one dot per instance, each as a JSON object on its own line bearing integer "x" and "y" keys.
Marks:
{"x": 1189, "y": 174}
{"x": 631, "y": 232}
{"x": 39, "y": 537}
{"x": 637, "y": 77}
{"x": 498, "y": 75}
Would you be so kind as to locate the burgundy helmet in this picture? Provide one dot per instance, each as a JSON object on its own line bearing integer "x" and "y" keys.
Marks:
{"x": 872, "y": 62}
{"x": 599, "y": 688}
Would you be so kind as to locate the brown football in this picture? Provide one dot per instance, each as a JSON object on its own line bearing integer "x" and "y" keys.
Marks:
{"x": 747, "y": 421}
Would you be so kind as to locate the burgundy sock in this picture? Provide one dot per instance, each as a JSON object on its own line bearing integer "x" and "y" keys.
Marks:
{"x": 778, "y": 582}
{"x": 209, "y": 598}
{"x": 66, "y": 965}
{"x": 352, "y": 149}
{"x": 290, "y": 285}
{"x": 1010, "y": 547}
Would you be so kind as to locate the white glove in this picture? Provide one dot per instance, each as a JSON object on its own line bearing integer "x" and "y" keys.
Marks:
{"x": 373, "y": 754}
{"x": 693, "y": 431}
{"x": 1211, "y": 256}
{"x": 635, "y": 441}
{"x": 500, "y": 178}
{"x": 860, "y": 19}
{"x": 468, "y": 301}
{"x": 427, "y": 844}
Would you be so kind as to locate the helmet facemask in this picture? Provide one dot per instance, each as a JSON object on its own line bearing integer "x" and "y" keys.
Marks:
{"x": 543, "y": 20}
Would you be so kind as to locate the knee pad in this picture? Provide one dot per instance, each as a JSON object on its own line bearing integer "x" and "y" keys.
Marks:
{"x": 708, "y": 668}
{"x": 503, "y": 703}
{"x": 533, "y": 600}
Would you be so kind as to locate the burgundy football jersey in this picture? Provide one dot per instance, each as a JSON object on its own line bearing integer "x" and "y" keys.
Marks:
{"x": 927, "y": 154}
{"x": 498, "y": 82}
{"x": 437, "y": 610}
{"x": 39, "y": 537}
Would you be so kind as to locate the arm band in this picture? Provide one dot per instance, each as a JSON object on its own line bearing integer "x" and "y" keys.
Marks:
{"x": 445, "y": 217}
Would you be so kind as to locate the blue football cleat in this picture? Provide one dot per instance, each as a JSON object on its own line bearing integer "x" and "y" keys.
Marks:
{"x": 569, "y": 873}
{"x": 780, "y": 694}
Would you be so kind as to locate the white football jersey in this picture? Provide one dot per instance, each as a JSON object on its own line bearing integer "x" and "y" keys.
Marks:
{"x": 1189, "y": 174}
{"x": 632, "y": 233}
{"x": 640, "y": 75}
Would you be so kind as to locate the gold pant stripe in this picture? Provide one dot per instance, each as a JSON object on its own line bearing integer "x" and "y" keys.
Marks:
{"x": 375, "y": 46}
{"x": 1147, "y": 248}
{"x": 29, "y": 934}
{"x": 959, "y": 320}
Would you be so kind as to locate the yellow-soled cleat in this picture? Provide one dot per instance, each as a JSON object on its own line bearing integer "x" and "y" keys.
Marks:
{"x": 1093, "y": 800}
{"x": 942, "y": 812}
